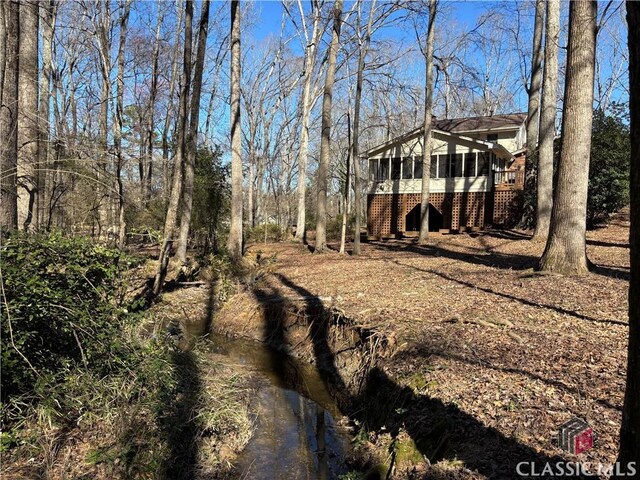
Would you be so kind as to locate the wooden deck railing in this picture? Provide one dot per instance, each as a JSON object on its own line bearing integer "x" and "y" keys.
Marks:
{"x": 513, "y": 178}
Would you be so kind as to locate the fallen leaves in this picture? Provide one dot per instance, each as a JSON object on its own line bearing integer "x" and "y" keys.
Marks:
{"x": 475, "y": 326}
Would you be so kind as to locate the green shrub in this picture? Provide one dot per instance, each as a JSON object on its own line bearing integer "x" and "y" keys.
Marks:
{"x": 145, "y": 218}
{"x": 59, "y": 308}
{"x": 274, "y": 233}
{"x": 334, "y": 227}
{"x": 79, "y": 371}
{"x": 211, "y": 200}
{"x": 609, "y": 167}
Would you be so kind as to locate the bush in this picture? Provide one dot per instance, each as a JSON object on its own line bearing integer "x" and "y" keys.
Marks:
{"x": 85, "y": 380}
{"x": 211, "y": 200}
{"x": 145, "y": 219}
{"x": 274, "y": 233}
{"x": 609, "y": 167}
{"x": 334, "y": 227}
{"x": 59, "y": 308}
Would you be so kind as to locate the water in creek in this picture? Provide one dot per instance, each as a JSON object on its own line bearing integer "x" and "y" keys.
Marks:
{"x": 297, "y": 436}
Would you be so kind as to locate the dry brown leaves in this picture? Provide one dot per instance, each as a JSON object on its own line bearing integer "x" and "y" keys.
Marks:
{"x": 518, "y": 351}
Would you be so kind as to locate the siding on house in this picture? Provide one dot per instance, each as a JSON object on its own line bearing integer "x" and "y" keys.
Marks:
{"x": 465, "y": 154}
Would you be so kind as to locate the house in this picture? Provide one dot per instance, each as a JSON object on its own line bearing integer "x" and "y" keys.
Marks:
{"x": 477, "y": 175}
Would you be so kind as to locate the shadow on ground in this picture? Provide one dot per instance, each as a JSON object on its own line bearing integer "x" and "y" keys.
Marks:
{"x": 488, "y": 256}
{"x": 480, "y": 256}
{"x": 509, "y": 296}
{"x": 375, "y": 401}
{"x": 178, "y": 421}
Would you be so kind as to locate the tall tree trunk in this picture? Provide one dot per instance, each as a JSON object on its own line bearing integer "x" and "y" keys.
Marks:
{"x": 44, "y": 174}
{"x": 347, "y": 181}
{"x": 426, "y": 142}
{"x": 260, "y": 207}
{"x": 103, "y": 184}
{"x": 251, "y": 181}
{"x": 355, "y": 137}
{"x": 565, "y": 251}
{"x": 547, "y": 122}
{"x": 3, "y": 47}
{"x": 533, "y": 116}
{"x": 9, "y": 117}
{"x": 55, "y": 189}
{"x": 166, "y": 177}
{"x": 150, "y": 133}
{"x": 261, "y": 204}
{"x": 630, "y": 430}
{"x": 192, "y": 135}
{"x": 222, "y": 51}
{"x": 234, "y": 243}
{"x": 325, "y": 140}
{"x": 28, "y": 131}
{"x": 179, "y": 160}
{"x": 118, "y": 124}
{"x": 447, "y": 90}
{"x": 309, "y": 66}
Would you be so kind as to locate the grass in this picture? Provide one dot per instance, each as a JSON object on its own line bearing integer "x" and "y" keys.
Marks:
{"x": 177, "y": 415}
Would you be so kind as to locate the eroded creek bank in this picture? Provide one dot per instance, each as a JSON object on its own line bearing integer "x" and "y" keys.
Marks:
{"x": 299, "y": 432}
{"x": 347, "y": 382}
{"x": 399, "y": 430}
{"x": 316, "y": 374}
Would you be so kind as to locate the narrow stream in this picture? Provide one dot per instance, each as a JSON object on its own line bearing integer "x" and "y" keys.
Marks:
{"x": 297, "y": 436}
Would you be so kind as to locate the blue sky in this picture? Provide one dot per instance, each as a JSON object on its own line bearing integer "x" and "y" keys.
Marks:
{"x": 265, "y": 20}
{"x": 270, "y": 12}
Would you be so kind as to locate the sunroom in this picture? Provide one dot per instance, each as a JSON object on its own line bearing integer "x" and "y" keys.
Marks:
{"x": 458, "y": 164}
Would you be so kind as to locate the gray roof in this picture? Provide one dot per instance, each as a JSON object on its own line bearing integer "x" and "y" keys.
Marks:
{"x": 468, "y": 124}
{"x": 457, "y": 127}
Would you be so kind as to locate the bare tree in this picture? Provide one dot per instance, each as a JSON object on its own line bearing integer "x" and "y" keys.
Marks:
{"x": 428, "y": 114}
{"x": 192, "y": 135}
{"x": 489, "y": 83}
{"x": 311, "y": 49}
{"x": 234, "y": 243}
{"x": 28, "y": 129}
{"x": 347, "y": 181}
{"x": 547, "y": 122}
{"x": 270, "y": 85}
{"x": 10, "y": 18}
{"x": 630, "y": 430}
{"x": 325, "y": 141}
{"x": 176, "y": 183}
{"x": 364, "y": 42}
{"x": 103, "y": 37}
{"x": 48, "y": 21}
{"x": 612, "y": 58}
{"x": 3, "y": 47}
{"x": 155, "y": 74}
{"x": 565, "y": 251}
{"x": 118, "y": 124}
{"x": 167, "y": 121}
{"x": 533, "y": 115}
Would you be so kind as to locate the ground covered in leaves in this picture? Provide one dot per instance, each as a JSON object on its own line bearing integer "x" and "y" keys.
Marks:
{"x": 506, "y": 353}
